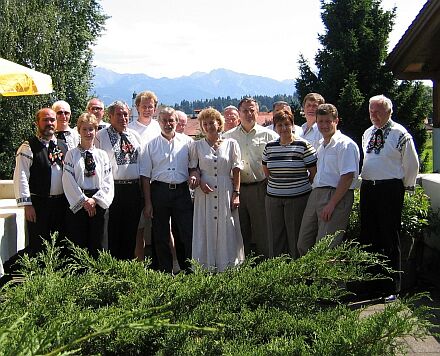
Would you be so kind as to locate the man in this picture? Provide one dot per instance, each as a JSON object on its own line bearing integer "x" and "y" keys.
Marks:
{"x": 283, "y": 105}
{"x": 231, "y": 117}
{"x": 182, "y": 121}
{"x": 330, "y": 202}
{"x": 64, "y": 132}
{"x": 309, "y": 129}
{"x": 37, "y": 181}
{"x": 252, "y": 139}
{"x": 96, "y": 107}
{"x": 147, "y": 128}
{"x": 390, "y": 166}
{"x": 164, "y": 178}
{"x": 124, "y": 150}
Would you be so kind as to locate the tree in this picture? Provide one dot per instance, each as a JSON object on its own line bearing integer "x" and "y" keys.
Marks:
{"x": 54, "y": 37}
{"x": 350, "y": 68}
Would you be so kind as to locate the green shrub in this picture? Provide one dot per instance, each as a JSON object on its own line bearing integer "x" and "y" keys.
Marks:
{"x": 278, "y": 307}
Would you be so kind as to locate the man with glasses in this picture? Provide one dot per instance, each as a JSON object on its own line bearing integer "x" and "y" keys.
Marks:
{"x": 63, "y": 130}
{"x": 252, "y": 139}
{"x": 96, "y": 107}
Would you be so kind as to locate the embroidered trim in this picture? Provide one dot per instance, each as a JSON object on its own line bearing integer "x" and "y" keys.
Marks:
{"x": 130, "y": 156}
{"x": 377, "y": 141}
{"x": 24, "y": 200}
{"x": 403, "y": 139}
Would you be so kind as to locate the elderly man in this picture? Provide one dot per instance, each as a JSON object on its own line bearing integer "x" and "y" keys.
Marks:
{"x": 390, "y": 166}
{"x": 329, "y": 205}
{"x": 96, "y": 107}
{"x": 231, "y": 116}
{"x": 310, "y": 130}
{"x": 182, "y": 121}
{"x": 123, "y": 147}
{"x": 252, "y": 139}
{"x": 147, "y": 128}
{"x": 37, "y": 181}
{"x": 164, "y": 178}
{"x": 64, "y": 132}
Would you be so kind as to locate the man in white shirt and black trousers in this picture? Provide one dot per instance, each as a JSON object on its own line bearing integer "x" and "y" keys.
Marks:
{"x": 37, "y": 181}
{"x": 124, "y": 150}
{"x": 390, "y": 167}
{"x": 164, "y": 176}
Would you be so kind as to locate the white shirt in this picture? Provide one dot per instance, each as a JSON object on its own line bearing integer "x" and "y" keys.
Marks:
{"x": 124, "y": 166}
{"x": 397, "y": 159}
{"x": 340, "y": 156}
{"x": 75, "y": 181}
{"x": 146, "y": 132}
{"x": 252, "y": 145}
{"x": 312, "y": 134}
{"x": 23, "y": 162}
{"x": 72, "y": 138}
{"x": 167, "y": 161}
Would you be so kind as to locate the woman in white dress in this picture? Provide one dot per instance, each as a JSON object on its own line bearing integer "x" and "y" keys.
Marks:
{"x": 88, "y": 185}
{"x": 217, "y": 242}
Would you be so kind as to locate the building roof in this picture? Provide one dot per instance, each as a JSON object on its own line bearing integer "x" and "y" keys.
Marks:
{"x": 417, "y": 54}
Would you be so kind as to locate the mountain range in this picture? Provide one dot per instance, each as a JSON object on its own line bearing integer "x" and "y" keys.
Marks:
{"x": 109, "y": 86}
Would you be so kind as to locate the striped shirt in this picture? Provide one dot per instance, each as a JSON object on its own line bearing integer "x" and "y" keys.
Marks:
{"x": 288, "y": 165}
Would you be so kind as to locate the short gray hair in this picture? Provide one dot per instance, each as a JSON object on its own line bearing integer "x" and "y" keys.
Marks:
{"x": 117, "y": 103}
{"x": 168, "y": 111}
{"x": 386, "y": 102}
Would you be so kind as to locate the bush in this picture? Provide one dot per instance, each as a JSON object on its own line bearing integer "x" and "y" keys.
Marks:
{"x": 278, "y": 307}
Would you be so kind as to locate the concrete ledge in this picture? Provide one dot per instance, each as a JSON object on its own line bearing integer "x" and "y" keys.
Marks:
{"x": 7, "y": 189}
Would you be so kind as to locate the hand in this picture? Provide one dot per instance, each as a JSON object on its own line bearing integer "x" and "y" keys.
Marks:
{"x": 235, "y": 201}
{"x": 206, "y": 188}
{"x": 29, "y": 213}
{"x": 148, "y": 211}
{"x": 326, "y": 213}
{"x": 90, "y": 206}
{"x": 194, "y": 181}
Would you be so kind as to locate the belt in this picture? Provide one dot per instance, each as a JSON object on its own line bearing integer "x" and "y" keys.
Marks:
{"x": 247, "y": 184}
{"x": 326, "y": 187}
{"x": 171, "y": 186}
{"x": 380, "y": 181}
{"x": 126, "y": 181}
{"x": 89, "y": 192}
{"x": 48, "y": 196}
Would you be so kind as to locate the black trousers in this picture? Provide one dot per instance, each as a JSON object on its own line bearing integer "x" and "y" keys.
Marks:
{"x": 381, "y": 214}
{"x": 176, "y": 204}
{"x": 123, "y": 220}
{"x": 86, "y": 231}
{"x": 51, "y": 217}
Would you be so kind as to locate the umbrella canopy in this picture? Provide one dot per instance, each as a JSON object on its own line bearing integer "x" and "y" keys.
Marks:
{"x": 16, "y": 80}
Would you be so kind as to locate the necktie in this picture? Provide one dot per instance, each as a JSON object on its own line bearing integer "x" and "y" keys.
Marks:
{"x": 62, "y": 135}
{"x": 54, "y": 154}
{"x": 126, "y": 146}
{"x": 90, "y": 164}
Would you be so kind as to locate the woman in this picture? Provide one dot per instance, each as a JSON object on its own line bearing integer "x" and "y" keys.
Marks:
{"x": 88, "y": 185}
{"x": 289, "y": 163}
{"x": 217, "y": 241}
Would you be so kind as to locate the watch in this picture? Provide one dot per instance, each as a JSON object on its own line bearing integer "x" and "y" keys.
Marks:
{"x": 236, "y": 192}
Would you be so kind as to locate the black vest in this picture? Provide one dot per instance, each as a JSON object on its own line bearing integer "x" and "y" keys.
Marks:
{"x": 40, "y": 170}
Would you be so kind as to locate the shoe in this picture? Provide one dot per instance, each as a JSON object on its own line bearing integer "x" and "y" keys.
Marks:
{"x": 390, "y": 299}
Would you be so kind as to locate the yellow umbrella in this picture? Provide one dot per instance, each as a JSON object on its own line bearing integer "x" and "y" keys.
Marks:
{"x": 16, "y": 80}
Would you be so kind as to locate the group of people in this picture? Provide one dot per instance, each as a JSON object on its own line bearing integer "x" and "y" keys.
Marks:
{"x": 263, "y": 190}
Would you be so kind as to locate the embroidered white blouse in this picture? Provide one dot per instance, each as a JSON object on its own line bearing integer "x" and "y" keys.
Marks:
{"x": 75, "y": 181}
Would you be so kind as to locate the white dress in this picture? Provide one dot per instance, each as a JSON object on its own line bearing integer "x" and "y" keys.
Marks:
{"x": 217, "y": 241}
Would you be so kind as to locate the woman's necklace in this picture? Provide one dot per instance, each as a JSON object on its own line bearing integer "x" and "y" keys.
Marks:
{"x": 214, "y": 144}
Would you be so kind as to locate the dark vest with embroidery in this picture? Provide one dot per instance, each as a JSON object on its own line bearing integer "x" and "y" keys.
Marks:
{"x": 40, "y": 170}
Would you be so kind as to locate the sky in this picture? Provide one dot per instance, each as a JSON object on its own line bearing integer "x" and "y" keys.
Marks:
{"x": 173, "y": 38}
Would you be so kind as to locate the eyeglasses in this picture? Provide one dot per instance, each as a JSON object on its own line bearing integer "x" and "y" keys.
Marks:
{"x": 63, "y": 112}
{"x": 96, "y": 108}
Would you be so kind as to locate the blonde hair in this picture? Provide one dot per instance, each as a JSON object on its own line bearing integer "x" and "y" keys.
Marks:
{"x": 87, "y": 118}
{"x": 145, "y": 95}
{"x": 211, "y": 113}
